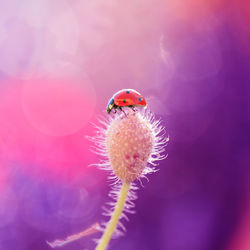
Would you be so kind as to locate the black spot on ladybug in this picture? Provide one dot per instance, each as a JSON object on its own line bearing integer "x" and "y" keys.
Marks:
{"x": 127, "y": 91}
{"x": 139, "y": 99}
{"x": 124, "y": 100}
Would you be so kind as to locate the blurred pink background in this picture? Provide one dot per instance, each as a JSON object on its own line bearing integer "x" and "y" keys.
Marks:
{"x": 61, "y": 61}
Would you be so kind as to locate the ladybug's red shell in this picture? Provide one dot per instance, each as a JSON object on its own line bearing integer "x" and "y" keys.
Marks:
{"x": 128, "y": 97}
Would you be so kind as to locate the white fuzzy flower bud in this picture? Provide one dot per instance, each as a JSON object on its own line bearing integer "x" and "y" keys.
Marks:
{"x": 129, "y": 145}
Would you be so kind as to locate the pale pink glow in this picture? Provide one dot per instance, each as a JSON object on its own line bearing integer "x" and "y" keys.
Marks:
{"x": 64, "y": 31}
{"x": 15, "y": 52}
{"x": 36, "y": 13}
{"x": 58, "y": 108}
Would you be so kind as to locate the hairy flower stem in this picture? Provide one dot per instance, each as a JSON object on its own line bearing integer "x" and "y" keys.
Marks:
{"x": 103, "y": 243}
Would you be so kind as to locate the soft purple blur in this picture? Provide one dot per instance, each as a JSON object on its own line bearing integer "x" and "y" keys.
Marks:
{"x": 61, "y": 61}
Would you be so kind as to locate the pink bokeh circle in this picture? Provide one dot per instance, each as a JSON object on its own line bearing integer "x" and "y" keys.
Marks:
{"x": 58, "y": 107}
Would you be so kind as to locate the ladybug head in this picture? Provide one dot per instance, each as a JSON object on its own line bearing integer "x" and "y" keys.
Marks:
{"x": 110, "y": 105}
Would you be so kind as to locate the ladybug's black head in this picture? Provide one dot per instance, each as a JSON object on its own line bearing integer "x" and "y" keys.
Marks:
{"x": 110, "y": 105}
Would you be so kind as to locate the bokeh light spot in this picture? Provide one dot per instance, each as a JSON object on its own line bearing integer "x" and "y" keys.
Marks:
{"x": 58, "y": 108}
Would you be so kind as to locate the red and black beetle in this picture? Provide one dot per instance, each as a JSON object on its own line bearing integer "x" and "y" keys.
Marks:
{"x": 125, "y": 98}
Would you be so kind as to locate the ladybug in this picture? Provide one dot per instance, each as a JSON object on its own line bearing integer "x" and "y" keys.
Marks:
{"x": 125, "y": 98}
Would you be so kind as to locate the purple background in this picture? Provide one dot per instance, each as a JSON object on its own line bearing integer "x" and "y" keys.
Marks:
{"x": 61, "y": 61}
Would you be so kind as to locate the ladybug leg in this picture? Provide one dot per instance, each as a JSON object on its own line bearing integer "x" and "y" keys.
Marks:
{"x": 115, "y": 111}
{"x": 133, "y": 108}
{"x": 123, "y": 111}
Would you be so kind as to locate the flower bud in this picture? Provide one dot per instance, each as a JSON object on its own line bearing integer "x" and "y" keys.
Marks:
{"x": 129, "y": 145}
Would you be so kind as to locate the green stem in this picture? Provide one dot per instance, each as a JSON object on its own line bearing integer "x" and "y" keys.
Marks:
{"x": 103, "y": 243}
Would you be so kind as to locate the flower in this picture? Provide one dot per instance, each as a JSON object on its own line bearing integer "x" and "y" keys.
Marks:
{"x": 131, "y": 145}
